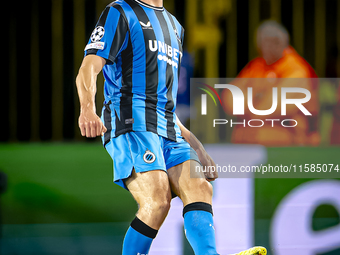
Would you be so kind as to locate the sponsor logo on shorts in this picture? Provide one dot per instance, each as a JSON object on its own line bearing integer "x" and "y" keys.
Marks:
{"x": 149, "y": 157}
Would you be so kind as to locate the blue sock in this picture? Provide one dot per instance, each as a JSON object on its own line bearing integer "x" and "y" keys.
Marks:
{"x": 199, "y": 228}
{"x": 138, "y": 238}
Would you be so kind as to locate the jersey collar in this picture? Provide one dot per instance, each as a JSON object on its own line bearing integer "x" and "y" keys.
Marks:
{"x": 149, "y": 6}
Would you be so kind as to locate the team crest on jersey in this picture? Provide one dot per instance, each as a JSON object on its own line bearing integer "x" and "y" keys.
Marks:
{"x": 97, "y": 34}
{"x": 145, "y": 26}
{"x": 149, "y": 157}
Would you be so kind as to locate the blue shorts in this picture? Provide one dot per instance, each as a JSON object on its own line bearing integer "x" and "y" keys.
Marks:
{"x": 146, "y": 151}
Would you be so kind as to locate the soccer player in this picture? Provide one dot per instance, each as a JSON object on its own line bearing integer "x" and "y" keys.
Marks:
{"x": 138, "y": 46}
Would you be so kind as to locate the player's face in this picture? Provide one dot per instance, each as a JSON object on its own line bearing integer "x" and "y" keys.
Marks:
{"x": 271, "y": 49}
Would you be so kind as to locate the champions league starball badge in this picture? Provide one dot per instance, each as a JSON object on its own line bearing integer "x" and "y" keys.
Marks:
{"x": 97, "y": 34}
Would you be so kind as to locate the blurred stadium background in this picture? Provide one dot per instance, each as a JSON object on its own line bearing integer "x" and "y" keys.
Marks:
{"x": 58, "y": 196}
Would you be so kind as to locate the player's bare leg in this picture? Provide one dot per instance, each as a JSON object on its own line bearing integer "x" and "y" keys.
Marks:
{"x": 151, "y": 190}
{"x": 196, "y": 193}
{"x": 193, "y": 188}
{"x": 190, "y": 188}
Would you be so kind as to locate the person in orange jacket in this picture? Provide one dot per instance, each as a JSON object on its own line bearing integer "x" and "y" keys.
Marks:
{"x": 277, "y": 60}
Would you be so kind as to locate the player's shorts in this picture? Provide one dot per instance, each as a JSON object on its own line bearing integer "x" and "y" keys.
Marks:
{"x": 146, "y": 151}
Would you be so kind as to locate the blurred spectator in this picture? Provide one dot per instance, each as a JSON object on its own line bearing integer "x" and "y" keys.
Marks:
{"x": 277, "y": 59}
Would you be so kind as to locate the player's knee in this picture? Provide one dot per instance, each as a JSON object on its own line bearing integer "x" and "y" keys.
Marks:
{"x": 162, "y": 206}
{"x": 198, "y": 190}
{"x": 198, "y": 185}
{"x": 159, "y": 206}
{"x": 204, "y": 189}
{"x": 207, "y": 188}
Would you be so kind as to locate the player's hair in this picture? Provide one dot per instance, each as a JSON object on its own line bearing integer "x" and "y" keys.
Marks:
{"x": 271, "y": 28}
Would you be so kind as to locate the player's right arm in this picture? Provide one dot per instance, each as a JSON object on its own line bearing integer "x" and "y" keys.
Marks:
{"x": 108, "y": 39}
{"x": 89, "y": 122}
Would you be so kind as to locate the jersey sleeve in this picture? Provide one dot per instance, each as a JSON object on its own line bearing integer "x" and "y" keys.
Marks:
{"x": 109, "y": 37}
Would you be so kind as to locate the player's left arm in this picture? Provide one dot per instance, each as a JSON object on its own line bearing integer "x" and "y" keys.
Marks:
{"x": 203, "y": 156}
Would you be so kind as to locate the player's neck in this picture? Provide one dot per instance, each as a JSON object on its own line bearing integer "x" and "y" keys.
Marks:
{"x": 155, "y": 3}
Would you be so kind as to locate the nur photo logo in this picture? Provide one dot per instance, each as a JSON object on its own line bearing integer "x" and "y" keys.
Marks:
{"x": 243, "y": 105}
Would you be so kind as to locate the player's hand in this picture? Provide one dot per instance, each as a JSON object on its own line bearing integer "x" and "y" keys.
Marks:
{"x": 211, "y": 173}
{"x": 90, "y": 124}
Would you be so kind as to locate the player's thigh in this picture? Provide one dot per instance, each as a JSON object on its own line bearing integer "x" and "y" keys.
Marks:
{"x": 150, "y": 189}
{"x": 190, "y": 185}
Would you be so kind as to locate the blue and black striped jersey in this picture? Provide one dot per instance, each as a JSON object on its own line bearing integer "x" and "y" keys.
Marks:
{"x": 142, "y": 46}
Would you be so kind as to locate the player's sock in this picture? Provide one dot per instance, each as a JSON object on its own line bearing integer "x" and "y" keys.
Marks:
{"x": 138, "y": 238}
{"x": 199, "y": 228}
